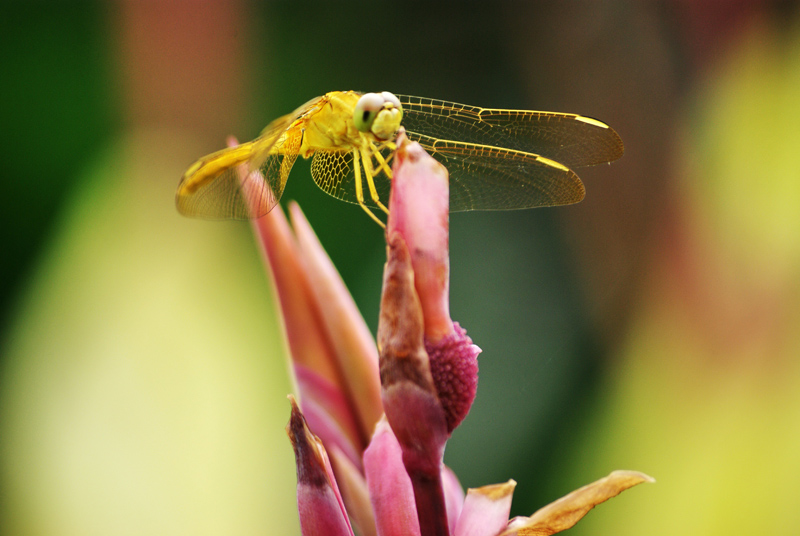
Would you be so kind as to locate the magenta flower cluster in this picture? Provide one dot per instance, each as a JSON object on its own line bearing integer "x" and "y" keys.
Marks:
{"x": 370, "y": 419}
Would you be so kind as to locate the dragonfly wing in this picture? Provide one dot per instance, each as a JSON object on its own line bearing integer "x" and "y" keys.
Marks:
{"x": 245, "y": 181}
{"x": 570, "y": 139}
{"x": 484, "y": 177}
{"x": 333, "y": 172}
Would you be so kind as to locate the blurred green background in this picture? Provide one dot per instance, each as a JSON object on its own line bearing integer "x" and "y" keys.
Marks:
{"x": 654, "y": 326}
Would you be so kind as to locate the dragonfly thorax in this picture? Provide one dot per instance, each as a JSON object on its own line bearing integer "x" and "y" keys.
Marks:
{"x": 346, "y": 120}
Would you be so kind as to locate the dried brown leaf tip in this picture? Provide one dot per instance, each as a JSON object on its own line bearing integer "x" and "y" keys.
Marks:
{"x": 569, "y": 509}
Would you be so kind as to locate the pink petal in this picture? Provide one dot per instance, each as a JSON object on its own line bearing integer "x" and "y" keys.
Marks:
{"x": 354, "y": 492}
{"x": 453, "y": 497}
{"x": 419, "y": 208}
{"x": 347, "y": 332}
{"x": 389, "y": 485}
{"x": 328, "y": 413}
{"x": 302, "y": 319}
{"x": 485, "y": 511}
{"x": 317, "y": 378}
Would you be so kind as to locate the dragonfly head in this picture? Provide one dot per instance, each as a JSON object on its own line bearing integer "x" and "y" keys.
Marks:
{"x": 378, "y": 113}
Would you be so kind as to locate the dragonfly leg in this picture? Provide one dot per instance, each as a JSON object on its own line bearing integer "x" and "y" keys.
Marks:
{"x": 366, "y": 160}
{"x": 383, "y": 163}
{"x": 360, "y": 188}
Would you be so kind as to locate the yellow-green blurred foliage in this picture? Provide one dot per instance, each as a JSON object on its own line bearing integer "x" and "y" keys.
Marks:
{"x": 705, "y": 391}
{"x": 144, "y": 389}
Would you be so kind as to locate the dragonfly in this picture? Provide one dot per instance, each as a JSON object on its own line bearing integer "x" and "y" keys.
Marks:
{"x": 497, "y": 159}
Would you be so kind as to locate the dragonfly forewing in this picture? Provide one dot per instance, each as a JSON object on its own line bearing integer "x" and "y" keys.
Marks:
{"x": 572, "y": 140}
{"x": 484, "y": 177}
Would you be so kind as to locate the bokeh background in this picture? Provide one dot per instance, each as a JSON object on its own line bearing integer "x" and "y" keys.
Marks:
{"x": 654, "y": 326}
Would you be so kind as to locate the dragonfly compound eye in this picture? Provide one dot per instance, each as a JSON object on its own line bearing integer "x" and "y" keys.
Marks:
{"x": 390, "y": 97}
{"x": 366, "y": 111}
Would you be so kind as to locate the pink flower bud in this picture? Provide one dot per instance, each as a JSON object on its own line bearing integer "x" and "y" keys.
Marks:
{"x": 322, "y": 511}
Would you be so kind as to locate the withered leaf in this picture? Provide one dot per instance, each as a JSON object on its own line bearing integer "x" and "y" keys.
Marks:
{"x": 569, "y": 509}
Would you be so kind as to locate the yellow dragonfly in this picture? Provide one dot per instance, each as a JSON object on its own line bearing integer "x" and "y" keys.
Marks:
{"x": 497, "y": 159}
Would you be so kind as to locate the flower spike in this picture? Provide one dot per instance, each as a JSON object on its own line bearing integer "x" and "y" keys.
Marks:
{"x": 419, "y": 213}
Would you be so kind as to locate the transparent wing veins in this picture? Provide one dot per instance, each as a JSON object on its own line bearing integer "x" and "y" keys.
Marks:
{"x": 483, "y": 177}
{"x": 570, "y": 139}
